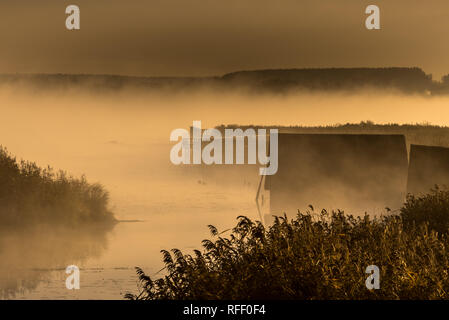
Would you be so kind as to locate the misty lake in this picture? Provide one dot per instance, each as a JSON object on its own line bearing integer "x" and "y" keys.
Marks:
{"x": 122, "y": 141}
{"x": 33, "y": 261}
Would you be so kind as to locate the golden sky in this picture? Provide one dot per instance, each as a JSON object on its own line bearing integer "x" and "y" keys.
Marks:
{"x": 212, "y": 37}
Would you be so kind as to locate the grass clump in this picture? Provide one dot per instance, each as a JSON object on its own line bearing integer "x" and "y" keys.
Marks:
{"x": 31, "y": 195}
{"x": 314, "y": 256}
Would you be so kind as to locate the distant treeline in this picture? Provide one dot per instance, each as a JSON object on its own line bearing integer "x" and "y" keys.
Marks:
{"x": 32, "y": 195}
{"x": 404, "y": 79}
{"x": 408, "y": 80}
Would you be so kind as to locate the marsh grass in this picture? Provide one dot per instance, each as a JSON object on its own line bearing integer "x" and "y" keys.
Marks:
{"x": 33, "y": 195}
{"x": 315, "y": 256}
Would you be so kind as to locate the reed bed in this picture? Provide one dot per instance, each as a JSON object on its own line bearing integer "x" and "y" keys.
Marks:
{"x": 316, "y": 256}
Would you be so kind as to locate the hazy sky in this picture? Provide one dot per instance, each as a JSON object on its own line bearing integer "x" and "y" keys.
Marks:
{"x": 210, "y": 37}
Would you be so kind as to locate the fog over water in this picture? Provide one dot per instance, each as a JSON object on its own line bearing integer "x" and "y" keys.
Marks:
{"x": 121, "y": 139}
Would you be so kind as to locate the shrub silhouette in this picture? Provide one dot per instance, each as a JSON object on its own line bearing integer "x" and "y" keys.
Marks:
{"x": 431, "y": 209}
{"x": 314, "y": 256}
{"x": 30, "y": 194}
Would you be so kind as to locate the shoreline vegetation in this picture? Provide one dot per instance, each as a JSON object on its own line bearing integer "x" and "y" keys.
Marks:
{"x": 315, "y": 256}
{"x": 31, "y": 195}
{"x": 419, "y": 133}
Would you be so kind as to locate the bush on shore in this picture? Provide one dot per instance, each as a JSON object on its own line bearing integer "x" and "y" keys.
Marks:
{"x": 32, "y": 195}
{"x": 316, "y": 256}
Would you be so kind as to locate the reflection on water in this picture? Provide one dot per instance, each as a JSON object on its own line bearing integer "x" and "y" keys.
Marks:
{"x": 33, "y": 261}
{"x": 29, "y": 256}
